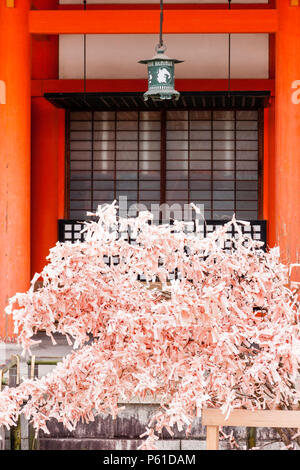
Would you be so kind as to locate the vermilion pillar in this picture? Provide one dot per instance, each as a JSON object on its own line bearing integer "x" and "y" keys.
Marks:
{"x": 270, "y": 174}
{"x": 47, "y": 133}
{"x": 287, "y": 160}
{"x": 14, "y": 156}
{"x": 61, "y": 162}
{"x": 48, "y": 152}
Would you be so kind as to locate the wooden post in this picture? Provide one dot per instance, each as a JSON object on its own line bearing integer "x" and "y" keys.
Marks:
{"x": 251, "y": 437}
{"x": 33, "y": 372}
{"x": 15, "y": 431}
{"x": 44, "y": 180}
{"x": 212, "y": 437}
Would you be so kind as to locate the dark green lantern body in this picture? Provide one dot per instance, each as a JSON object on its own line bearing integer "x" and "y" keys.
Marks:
{"x": 161, "y": 77}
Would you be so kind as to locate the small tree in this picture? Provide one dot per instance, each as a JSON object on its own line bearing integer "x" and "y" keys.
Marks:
{"x": 224, "y": 334}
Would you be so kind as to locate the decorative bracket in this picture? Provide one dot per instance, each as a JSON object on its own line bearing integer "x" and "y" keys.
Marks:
{"x": 294, "y": 3}
{"x": 10, "y": 3}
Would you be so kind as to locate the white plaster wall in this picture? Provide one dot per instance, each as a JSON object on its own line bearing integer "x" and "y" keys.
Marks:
{"x": 205, "y": 55}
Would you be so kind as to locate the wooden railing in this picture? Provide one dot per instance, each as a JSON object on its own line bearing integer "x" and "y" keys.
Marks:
{"x": 213, "y": 418}
{"x": 13, "y": 380}
{"x": 33, "y": 372}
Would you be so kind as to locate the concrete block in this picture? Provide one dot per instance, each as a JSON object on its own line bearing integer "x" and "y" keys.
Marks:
{"x": 164, "y": 444}
{"x": 102, "y": 444}
{"x": 271, "y": 446}
{"x": 193, "y": 444}
{"x": 89, "y": 444}
{"x": 24, "y": 444}
{"x": 267, "y": 434}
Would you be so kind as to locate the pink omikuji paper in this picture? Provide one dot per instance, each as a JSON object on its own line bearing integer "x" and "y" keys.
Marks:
{"x": 225, "y": 334}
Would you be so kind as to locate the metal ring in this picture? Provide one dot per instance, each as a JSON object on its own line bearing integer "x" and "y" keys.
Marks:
{"x": 160, "y": 48}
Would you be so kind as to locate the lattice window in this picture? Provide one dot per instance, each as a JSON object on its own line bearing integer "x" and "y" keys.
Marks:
{"x": 70, "y": 230}
{"x": 206, "y": 157}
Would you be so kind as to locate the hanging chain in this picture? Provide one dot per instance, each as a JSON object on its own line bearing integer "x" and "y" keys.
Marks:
{"x": 84, "y": 55}
{"x": 229, "y": 52}
{"x": 160, "y": 45}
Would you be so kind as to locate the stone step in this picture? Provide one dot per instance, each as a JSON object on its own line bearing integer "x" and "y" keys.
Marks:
{"x": 102, "y": 444}
{"x": 131, "y": 423}
{"x": 123, "y": 444}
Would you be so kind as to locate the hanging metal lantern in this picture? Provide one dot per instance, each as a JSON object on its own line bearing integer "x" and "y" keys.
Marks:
{"x": 161, "y": 71}
{"x": 161, "y": 76}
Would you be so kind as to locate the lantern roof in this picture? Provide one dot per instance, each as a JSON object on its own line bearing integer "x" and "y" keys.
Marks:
{"x": 160, "y": 55}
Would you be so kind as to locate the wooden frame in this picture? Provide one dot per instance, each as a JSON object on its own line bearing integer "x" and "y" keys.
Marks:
{"x": 41, "y": 86}
{"x": 172, "y": 6}
{"x": 213, "y": 418}
{"x": 177, "y": 21}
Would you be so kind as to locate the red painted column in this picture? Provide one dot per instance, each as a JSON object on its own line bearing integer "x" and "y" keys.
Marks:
{"x": 266, "y": 166}
{"x": 14, "y": 156}
{"x": 47, "y": 154}
{"x": 45, "y": 181}
{"x": 61, "y": 162}
{"x": 287, "y": 159}
{"x": 270, "y": 181}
